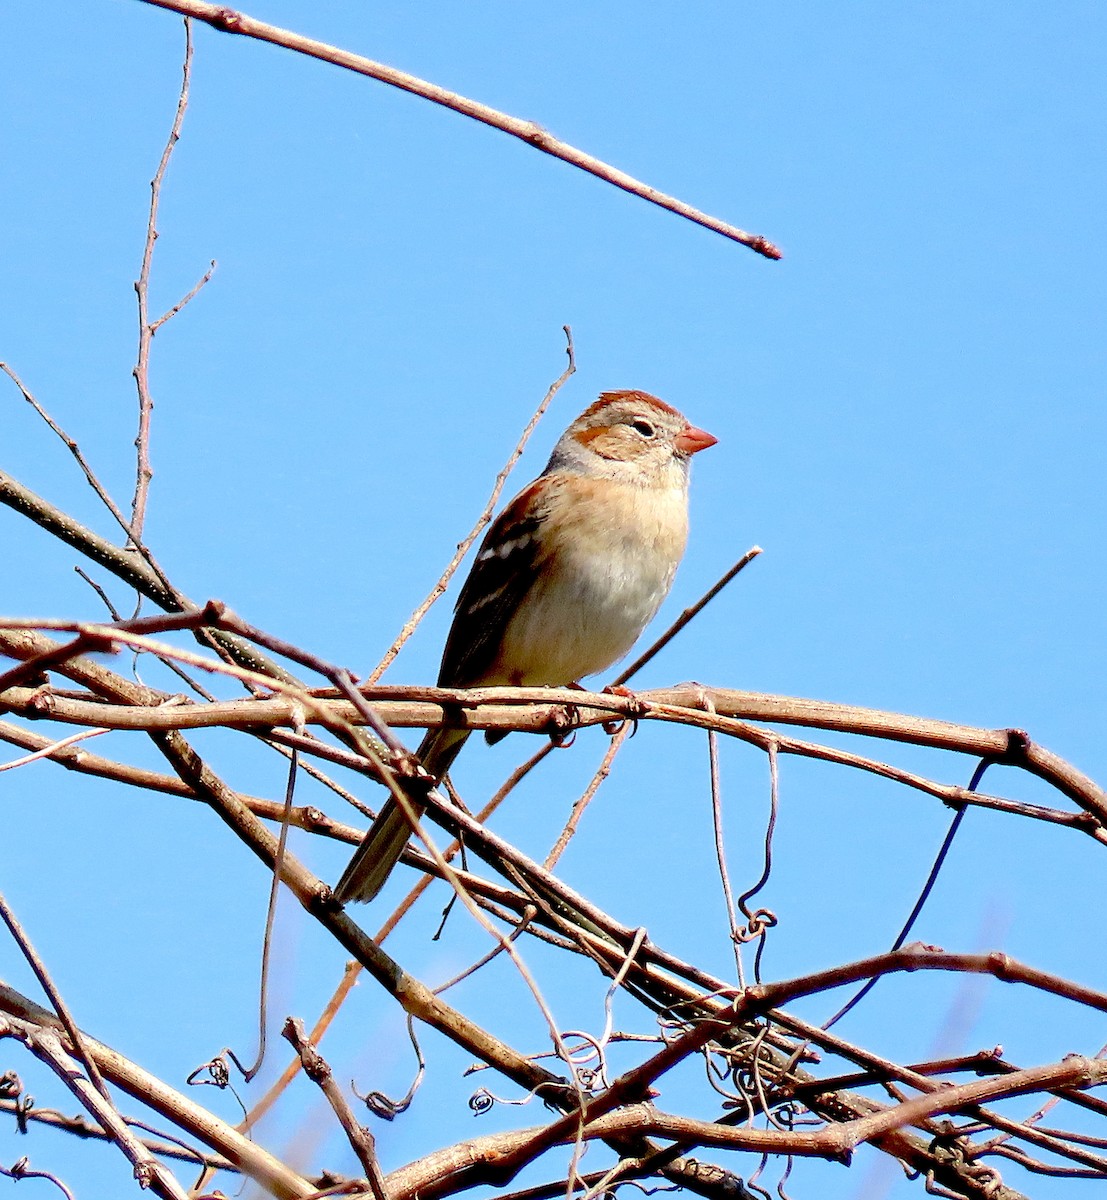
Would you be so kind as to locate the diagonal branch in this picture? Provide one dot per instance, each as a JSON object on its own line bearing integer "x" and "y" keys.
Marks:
{"x": 125, "y": 565}
{"x": 319, "y": 1072}
{"x": 227, "y": 20}
{"x": 247, "y": 1156}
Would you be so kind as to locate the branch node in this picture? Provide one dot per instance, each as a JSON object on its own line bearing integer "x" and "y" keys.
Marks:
{"x": 42, "y": 704}
{"x": 1000, "y": 965}
{"x": 214, "y": 611}
{"x": 226, "y": 19}
{"x": 1018, "y": 746}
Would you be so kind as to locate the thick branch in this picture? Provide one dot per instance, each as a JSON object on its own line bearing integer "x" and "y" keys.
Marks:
{"x": 557, "y": 711}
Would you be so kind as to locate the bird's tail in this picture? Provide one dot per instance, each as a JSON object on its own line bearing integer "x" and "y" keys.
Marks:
{"x": 382, "y": 846}
{"x": 439, "y": 748}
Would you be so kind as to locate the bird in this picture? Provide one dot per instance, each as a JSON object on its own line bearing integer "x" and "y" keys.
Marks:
{"x": 565, "y": 580}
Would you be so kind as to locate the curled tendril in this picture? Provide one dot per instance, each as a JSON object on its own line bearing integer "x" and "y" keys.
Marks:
{"x": 579, "y": 1057}
{"x": 482, "y": 1100}
{"x": 641, "y": 1187}
{"x": 784, "y": 1178}
{"x": 219, "y": 1074}
{"x": 756, "y": 1188}
{"x": 383, "y": 1106}
{"x": 21, "y": 1169}
{"x": 760, "y": 922}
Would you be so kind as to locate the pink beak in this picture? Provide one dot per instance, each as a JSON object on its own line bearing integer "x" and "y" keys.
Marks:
{"x": 691, "y": 440}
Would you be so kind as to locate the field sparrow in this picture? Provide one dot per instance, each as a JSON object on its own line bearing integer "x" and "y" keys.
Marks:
{"x": 565, "y": 580}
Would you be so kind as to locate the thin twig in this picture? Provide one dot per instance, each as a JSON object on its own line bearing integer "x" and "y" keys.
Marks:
{"x": 720, "y": 849}
{"x": 451, "y": 851}
{"x": 686, "y": 616}
{"x": 73, "y": 448}
{"x": 47, "y": 984}
{"x": 583, "y": 801}
{"x": 519, "y": 928}
{"x": 345, "y": 986}
{"x": 80, "y": 1126}
{"x": 924, "y": 894}
{"x": 53, "y": 748}
{"x": 116, "y": 615}
{"x": 76, "y": 758}
{"x": 486, "y": 515}
{"x": 143, "y": 471}
{"x": 190, "y": 295}
{"x": 271, "y": 917}
{"x": 181, "y": 674}
{"x": 21, "y": 1169}
{"x": 61, "y": 525}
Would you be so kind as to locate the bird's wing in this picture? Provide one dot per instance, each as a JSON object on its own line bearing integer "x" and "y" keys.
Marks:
{"x": 506, "y": 566}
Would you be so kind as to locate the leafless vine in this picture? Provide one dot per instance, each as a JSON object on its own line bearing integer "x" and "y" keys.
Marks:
{"x": 780, "y": 1087}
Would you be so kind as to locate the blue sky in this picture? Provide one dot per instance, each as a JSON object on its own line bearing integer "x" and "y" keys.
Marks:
{"x": 910, "y": 418}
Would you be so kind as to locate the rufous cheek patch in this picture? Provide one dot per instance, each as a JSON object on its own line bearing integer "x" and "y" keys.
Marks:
{"x": 587, "y": 436}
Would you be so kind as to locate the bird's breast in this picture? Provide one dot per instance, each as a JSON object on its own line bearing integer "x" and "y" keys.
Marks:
{"x": 603, "y": 577}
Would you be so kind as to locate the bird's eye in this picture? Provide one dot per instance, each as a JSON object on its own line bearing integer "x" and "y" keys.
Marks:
{"x": 644, "y": 428}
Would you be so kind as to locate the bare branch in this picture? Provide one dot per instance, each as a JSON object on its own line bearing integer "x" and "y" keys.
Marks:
{"x": 249, "y": 1158}
{"x": 38, "y": 967}
{"x": 146, "y": 327}
{"x": 190, "y": 295}
{"x": 602, "y": 771}
{"x": 80, "y": 1127}
{"x": 75, "y": 758}
{"x": 917, "y": 957}
{"x": 124, "y": 564}
{"x": 318, "y": 1071}
{"x": 46, "y": 1045}
{"x": 228, "y": 20}
{"x": 558, "y": 710}
{"x": 73, "y": 448}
